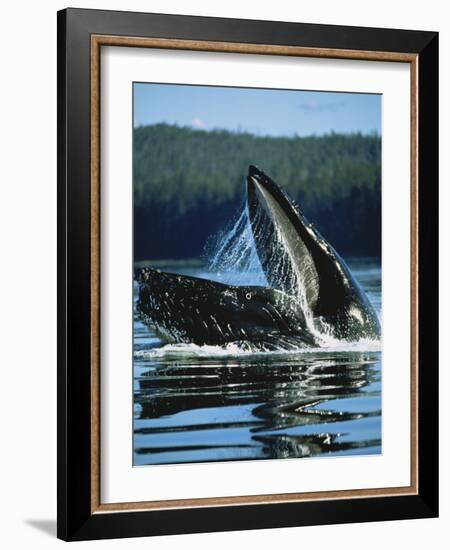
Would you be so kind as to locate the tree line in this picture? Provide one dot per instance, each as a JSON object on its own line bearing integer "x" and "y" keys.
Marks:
{"x": 189, "y": 184}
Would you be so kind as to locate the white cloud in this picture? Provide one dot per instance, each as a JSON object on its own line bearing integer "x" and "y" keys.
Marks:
{"x": 320, "y": 107}
{"x": 198, "y": 123}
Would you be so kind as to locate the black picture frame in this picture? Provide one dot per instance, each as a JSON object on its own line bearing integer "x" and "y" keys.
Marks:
{"x": 76, "y": 520}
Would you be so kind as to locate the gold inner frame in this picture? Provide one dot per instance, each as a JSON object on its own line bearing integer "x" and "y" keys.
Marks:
{"x": 97, "y": 41}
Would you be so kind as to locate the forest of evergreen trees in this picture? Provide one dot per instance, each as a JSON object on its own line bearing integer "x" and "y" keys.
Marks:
{"x": 189, "y": 184}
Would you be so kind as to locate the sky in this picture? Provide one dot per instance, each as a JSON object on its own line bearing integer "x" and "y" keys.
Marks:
{"x": 258, "y": 111}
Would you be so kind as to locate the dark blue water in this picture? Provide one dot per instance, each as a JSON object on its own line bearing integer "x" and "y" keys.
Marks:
{"x": 201, "y": 404}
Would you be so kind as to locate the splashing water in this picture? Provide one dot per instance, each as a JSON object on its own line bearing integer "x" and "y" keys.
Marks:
{"x": 233, "y": 254}
{"x": 233, "y": 257}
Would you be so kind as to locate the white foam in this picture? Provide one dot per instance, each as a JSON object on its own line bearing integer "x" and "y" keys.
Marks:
{"x": 234, "y": 349}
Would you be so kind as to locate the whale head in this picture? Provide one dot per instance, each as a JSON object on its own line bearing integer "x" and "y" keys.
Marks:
{"x": 299, "y": 261}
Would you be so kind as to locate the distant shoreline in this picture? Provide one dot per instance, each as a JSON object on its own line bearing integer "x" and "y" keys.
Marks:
{"x": 189, "y": 186}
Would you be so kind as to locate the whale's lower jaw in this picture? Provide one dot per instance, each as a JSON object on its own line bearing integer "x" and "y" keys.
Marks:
{"x": 184, "y": 309}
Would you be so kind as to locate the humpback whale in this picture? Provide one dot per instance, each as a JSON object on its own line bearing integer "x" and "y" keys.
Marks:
{"x": 311, "y": 292}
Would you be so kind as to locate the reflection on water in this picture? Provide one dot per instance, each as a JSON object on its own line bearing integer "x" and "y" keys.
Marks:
{"x": 192, "y": 405}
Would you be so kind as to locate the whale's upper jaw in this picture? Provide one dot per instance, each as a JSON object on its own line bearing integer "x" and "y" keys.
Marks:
{"x": 294, "y": 255}
{"x": 260, "y": 188}
{"x": 281, "y": 236}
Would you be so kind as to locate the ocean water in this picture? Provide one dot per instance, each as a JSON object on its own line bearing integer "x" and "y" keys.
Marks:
{"x": 206, "y": 403}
